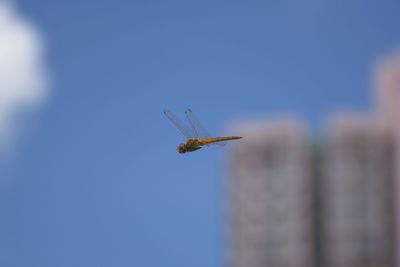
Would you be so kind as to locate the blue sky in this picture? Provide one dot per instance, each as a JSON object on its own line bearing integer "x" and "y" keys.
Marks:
{"x": 96, "y": 180}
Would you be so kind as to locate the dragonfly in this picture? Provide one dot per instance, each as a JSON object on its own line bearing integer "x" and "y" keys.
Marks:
{"x": 197, "y": 136}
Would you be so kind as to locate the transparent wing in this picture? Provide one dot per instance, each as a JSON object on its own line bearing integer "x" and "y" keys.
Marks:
{"x": 182, "y": 127}
{"x": 198, "y": 128}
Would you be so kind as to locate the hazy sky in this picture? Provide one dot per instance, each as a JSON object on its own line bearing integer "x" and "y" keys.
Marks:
{"x": 95, "y": 179}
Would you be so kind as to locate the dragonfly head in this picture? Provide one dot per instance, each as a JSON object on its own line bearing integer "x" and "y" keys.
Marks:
{"x": 182, "y": 148}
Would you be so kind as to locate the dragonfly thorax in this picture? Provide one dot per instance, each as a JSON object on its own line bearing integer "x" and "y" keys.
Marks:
{"x": 192, "y": 144}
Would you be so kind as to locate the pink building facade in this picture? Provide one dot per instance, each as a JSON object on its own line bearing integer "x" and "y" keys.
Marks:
{"x": 357, "y": 203}
{"x": 387, "y": 83}
{"x": 293, "y": 203}
{"x": 270, "y": 197}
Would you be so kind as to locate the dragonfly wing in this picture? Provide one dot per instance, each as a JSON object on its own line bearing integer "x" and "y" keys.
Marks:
{"x": 221, "y": 143}
{"x": 198, "y": 128}
{"x": 182, "y": 127}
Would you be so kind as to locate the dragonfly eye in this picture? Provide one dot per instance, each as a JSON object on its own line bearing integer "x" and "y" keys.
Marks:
{"x": 182, "y": 148}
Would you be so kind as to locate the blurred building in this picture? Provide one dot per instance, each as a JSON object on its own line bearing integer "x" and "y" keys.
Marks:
{"x": 271, "y": 198}
{"x": 387, "y": 82}
{"x": 334, "y": 204}
{"x": 356, "y": 195}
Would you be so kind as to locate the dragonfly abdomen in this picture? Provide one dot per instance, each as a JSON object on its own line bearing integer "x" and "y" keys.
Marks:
{"x": 207, "y": 141}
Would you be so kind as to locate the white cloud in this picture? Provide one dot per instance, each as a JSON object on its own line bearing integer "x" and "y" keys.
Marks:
{"x": 22, "y": 74}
